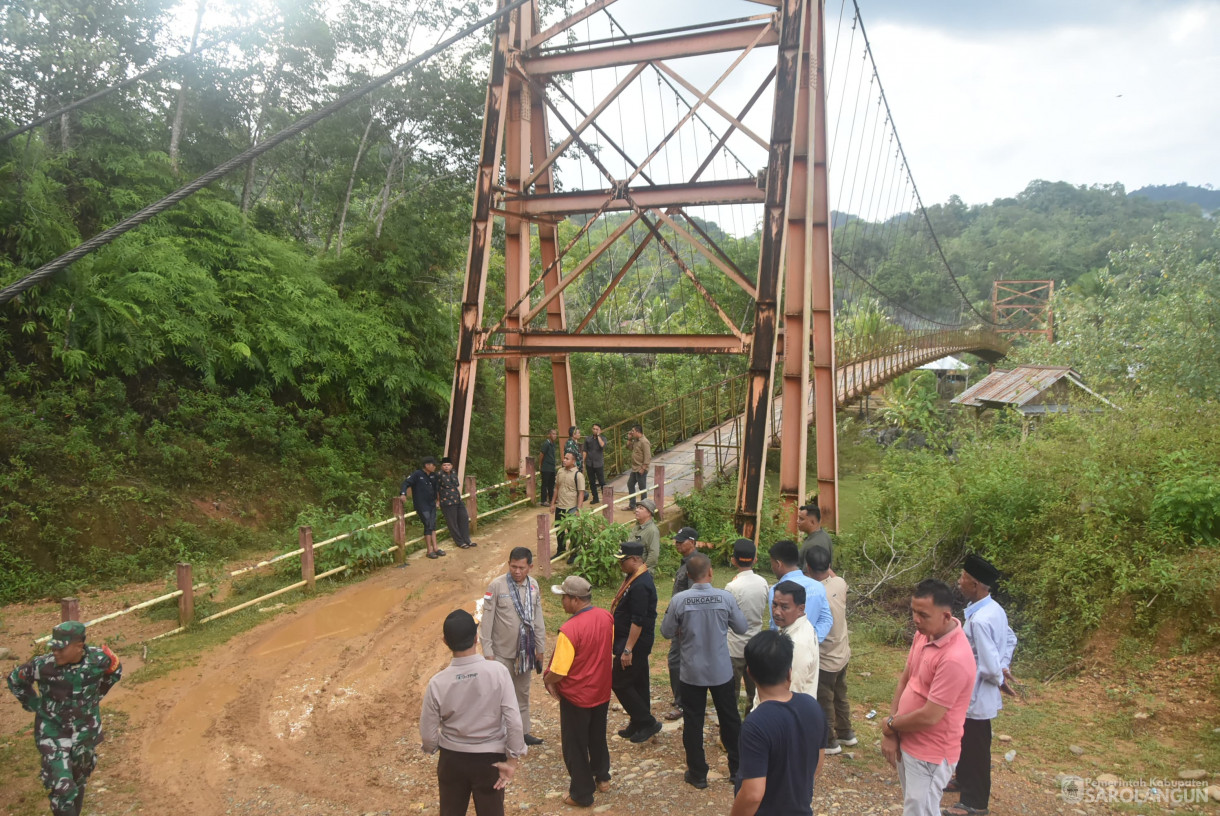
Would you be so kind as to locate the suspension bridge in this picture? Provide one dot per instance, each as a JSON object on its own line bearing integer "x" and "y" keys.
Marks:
{"x": 722, "y": 178}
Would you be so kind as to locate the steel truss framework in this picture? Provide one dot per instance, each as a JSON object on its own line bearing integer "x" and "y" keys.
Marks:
{"x": 1023, "y": 307}
{"x": 515, "y": 187}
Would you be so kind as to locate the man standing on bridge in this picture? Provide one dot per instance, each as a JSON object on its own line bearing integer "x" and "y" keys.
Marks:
{"x": 512, "y": 631}
{"x": 548, "y": 464}
{"x": 469, "y": 714}
{"x": 72, "y": 680}
{"x": 595, "y": 461}
{"x": 422, "y": 484}
{"x": 569, "y": 496}
{"x": 641, "y": 458}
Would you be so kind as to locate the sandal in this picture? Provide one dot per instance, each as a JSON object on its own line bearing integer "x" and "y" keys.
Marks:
{"x": 440, "y": 552}
{"x": 952, "y": 787}
{"x": 432, "y": 555}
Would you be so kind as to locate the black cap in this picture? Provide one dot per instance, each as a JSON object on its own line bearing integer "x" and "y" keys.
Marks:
{"x": 744, "y": 550}
{"x": 981, "y": 570}
{"x": 446, "y": 461}
{"x": 686, "y": 534}
{"x": 460, "y": 628}
{"x": 629, "y": 548}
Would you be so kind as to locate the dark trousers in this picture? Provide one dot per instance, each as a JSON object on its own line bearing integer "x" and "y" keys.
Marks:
{"x": 597, "y": 480}
{"x": 832, "y": 696}
{"x": 675, "y": 672}
{"x": 548, "y": 487}
{"x": 458, "y": 522}
{"x": 560, "y": 538}
{"x": 740, "y": 674}
{"x": 974, "y": 768}
{"x": 631, "y": 688}
{"x": 462, "y": 775}
{"x": 585, "y": 754}
{"x": 636, "y": 481}
{"x": 694, "y": 707}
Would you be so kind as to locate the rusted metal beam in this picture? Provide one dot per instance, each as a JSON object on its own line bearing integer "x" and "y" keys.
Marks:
{"x": 755, "y": 432}
{"x": 686, "y": 45}
{"x": 729, "y": 270}
{"x": 652, "y": 197}
{"x": 729, "y": 132}
{"x": 705, "y": 98}
{"x": 824, "y": 386}
{"x": 478, "y": 254}
{"x": 517, "y": 252}
{"x": 541, "y": 344}
{"x": 798, "y": 286}
{"x": 566, "y": 23}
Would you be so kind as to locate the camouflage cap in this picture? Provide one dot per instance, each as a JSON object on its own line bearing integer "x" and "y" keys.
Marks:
{"x": 66, "y": 633}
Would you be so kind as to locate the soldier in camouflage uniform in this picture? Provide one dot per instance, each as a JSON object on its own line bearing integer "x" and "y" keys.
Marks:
{"x": 67, "y": 720}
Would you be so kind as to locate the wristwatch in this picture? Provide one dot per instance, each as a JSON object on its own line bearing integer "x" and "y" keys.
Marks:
{"x": 889, "y": 722}
{"x": 626, "y": 651}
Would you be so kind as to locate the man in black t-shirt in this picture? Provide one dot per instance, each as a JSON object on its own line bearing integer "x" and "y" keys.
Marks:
{"x": 782, "y": 739}
{"x": 635, "y": 622}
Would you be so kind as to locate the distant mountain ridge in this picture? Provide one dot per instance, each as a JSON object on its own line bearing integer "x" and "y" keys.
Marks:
{"x": 1205, "y": 197}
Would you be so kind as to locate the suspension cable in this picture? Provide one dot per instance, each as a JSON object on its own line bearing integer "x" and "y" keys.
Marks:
{"x": 922, "y": 209}
{"x": 102, "y": 238}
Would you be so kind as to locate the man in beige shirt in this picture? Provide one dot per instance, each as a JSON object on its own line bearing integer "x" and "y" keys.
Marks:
{"x": 641, "y": 458}
{"x": 835, "y": 652}
{"x": 512, "y": 631}
{"x": 469, "y": 714}
{"x": 569, "y": 495}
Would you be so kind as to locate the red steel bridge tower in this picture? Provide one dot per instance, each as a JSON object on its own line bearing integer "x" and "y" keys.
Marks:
{"x": 789, "y": 340}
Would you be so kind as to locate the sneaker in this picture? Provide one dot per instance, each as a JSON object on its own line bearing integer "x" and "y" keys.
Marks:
{"x": 530, "y": 739}
{"x": 673, "y": 714}
{"x": 849, "y": 742}
{"x": 835, "y": 749}
{"x": 628, "y": 732}
{"x": 646, "y": 733}
{"x": 694, "y": 781}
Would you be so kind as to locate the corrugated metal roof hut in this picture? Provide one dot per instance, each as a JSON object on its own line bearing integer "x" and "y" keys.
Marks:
{"x": 1032, "y": 390}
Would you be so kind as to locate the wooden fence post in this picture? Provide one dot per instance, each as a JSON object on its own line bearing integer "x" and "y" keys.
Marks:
{"x": 305, "y": 537}
{"x": 658, "y": 489}
{"x": 400, "y": 530}
{"x": 531, "y": 484}
{"x": 186, "y": 601}
{"x": 608, "y": 498}
{"x": 69, "y": 610}
{"x": 544, "y": 543}
{"x": 472, "y": 504}
{"x": 698, "y": 468}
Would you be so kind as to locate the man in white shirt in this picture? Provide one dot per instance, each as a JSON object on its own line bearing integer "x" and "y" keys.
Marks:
{"x": 788, "y": 611}
{"x": 750, "y": 590}
{"x": 992, "y": 642}
{"x": 470, "y": 713}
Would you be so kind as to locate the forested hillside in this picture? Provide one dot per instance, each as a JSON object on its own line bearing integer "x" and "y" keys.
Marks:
{"x": 285, "y": 338}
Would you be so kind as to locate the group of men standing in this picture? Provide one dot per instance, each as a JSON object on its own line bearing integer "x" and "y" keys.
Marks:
{"x": 430, "y": 489}
{"x": 589, "y": 456}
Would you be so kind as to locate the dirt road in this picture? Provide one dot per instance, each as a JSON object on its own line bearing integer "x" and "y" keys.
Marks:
{"x": 316, "y": 712}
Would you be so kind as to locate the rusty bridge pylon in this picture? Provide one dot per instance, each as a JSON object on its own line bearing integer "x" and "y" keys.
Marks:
{"x": 1023, "y": 307}
{"x": 790, "y": 333}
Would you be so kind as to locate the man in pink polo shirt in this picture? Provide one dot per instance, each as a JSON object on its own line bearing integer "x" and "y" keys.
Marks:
{"x": 923, "y": 734}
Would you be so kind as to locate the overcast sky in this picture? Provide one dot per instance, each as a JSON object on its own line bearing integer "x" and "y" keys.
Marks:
{"x": 989, "y": 94}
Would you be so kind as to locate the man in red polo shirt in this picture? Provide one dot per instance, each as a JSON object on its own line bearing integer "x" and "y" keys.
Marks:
{"x": 923, "y": 734}
{"x": 579, "y": 677}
